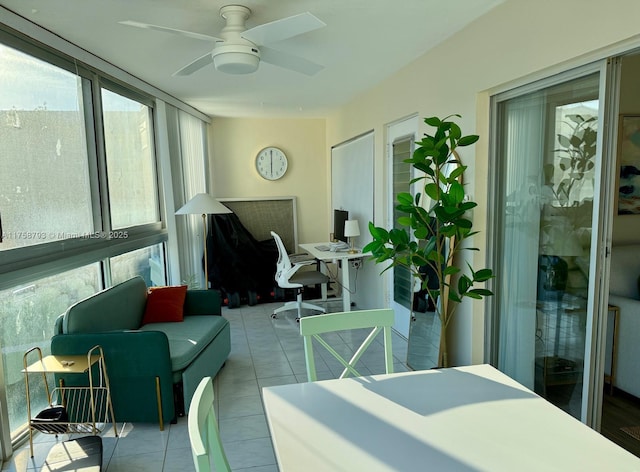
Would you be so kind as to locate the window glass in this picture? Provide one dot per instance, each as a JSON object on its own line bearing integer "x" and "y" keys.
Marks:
{"x": 27, "y": 316}
{"x": 402, "y": 278}
{"x": 147, "y": 262}
{"x": 547, "y": 153}
{"x": 44, "y": 183}
{"x": 133, "y": 194}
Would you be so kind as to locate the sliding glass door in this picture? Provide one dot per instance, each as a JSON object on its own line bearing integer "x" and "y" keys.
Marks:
{"x": 548, "y": 159}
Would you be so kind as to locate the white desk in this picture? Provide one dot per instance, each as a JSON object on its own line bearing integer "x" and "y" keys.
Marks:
{"x": 462, "y": 419}
{"x": 345, "y": 273}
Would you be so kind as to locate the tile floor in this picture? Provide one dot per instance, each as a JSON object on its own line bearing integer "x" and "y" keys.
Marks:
{"x": 264, "y": 352}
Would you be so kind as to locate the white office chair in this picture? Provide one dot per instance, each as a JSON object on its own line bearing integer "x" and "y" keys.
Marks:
{"x": 288, "y": 275}
{"x": 203, "y": 431}
{"x": 379, "y": 320}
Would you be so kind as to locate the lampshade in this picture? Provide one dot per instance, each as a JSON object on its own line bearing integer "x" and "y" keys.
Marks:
{"x": 351, "y": 228}
{"x": 203, "y": 204}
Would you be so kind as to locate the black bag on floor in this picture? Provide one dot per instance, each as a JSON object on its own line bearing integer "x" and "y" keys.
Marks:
{"x": 51, "y": 420}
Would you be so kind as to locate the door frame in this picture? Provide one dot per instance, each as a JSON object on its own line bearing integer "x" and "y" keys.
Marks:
{"x": 593, "y": 385}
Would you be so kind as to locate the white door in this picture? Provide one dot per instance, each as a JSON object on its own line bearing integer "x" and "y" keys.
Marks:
{"x": 401, "y": 137}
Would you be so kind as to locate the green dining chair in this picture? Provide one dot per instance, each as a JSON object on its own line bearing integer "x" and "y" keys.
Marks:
{"x": 311, "y": 328}
{"x": 203, "y": 431}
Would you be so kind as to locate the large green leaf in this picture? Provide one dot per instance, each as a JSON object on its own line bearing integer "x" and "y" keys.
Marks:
{"x": 451, "y": 270}
{"x": 421, "y": 232}
{"x": 466, "y": 206}
{"x": 423, "y": 167}
{"x": 468, "y": 140}
{"x": 405, "y": 198}
{"x": 398, "y": 236}
{"x": 464, "y": 283}
{"x": 456, "y": 192}
{"x": 432, "y": 190}
{"x": 457, "y": 172}
{"x": 483, "y": 275}
{"x": 433, "y": 121}
{"x": 483, "y": 292}
{"x": 404, "y": 220}
{"x": 455, "y": 131}
{"x": 377, "y": 232}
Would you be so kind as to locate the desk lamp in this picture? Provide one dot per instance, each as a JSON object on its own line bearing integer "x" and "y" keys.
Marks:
{"x": 351, "y": 230}
{"x": 204, "y": 204}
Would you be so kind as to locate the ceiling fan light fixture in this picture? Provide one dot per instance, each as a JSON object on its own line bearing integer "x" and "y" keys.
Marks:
{"x": 236, "y": 59}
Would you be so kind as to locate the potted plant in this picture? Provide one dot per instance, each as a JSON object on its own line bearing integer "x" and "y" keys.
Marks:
{"x": 433, "y": 231}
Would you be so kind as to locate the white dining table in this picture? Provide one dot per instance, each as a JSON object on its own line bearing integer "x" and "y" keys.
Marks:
{"x": 471, "y": 418}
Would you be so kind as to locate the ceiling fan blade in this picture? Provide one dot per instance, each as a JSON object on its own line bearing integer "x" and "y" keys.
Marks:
{"x": 165, "y": 29}
{"x": 202, "y": 61}
{"x": 289, "y": 61}
{"x": 283, "y": 29}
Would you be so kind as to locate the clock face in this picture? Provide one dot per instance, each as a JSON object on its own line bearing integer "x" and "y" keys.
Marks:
{"x": 271, "y": 163}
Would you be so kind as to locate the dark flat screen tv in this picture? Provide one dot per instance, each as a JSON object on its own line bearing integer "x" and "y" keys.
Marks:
{"x": 339, "y": 217}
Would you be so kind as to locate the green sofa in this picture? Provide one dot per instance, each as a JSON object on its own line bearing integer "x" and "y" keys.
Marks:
{"x": 154, "y": 367}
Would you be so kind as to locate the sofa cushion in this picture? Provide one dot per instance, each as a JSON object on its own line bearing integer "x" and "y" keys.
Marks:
{"x": 189, "y": 338}
{"x": 116, "y": 308}
{"x": 165, "y": 304}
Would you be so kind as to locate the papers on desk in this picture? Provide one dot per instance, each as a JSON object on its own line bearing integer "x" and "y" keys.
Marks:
{"x": 333, "y": 247}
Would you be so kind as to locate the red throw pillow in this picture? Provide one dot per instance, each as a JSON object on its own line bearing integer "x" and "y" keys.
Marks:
{"x": 165, "y": 304}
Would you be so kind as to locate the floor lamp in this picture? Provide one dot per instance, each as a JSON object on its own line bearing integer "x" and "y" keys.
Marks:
{"x": 204, "y": 204}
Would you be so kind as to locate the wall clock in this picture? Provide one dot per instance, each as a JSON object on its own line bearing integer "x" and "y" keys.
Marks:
{"x": 271, "y": 163}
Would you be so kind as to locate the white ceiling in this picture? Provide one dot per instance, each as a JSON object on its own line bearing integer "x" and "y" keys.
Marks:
{"x": 364, "y": 42}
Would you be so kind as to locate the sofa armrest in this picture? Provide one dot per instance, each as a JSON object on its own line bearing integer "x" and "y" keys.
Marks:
{"x": 202, "y": 302}
{"x": 627, "y": 376}
{"x": 57, "y": 326}
{"x": 133, "y": 359}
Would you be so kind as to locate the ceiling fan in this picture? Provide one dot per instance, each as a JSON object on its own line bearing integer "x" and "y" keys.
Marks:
{"x": 239, "y": 50}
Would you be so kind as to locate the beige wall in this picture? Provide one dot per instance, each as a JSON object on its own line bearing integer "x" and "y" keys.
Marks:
{"x": 513, "y": 44}
{"x": 234, "y": 144}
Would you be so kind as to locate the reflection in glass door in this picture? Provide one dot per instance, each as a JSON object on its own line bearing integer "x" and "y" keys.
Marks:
{"x": 546, "y": 145}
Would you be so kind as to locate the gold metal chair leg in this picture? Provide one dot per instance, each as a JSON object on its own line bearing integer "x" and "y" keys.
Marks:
{"x": 159, "y": 399}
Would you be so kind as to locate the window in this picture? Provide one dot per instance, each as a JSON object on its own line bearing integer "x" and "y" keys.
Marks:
{"x": 402, "y": 278}
{"x": 45, "y": 192}
{"x": 79, "y": 196}
{"x": 147, "y": 262}
{"x": 54, "y": 184}
{"x": 27, "y": 317}
{"x": 133, "y": 194}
